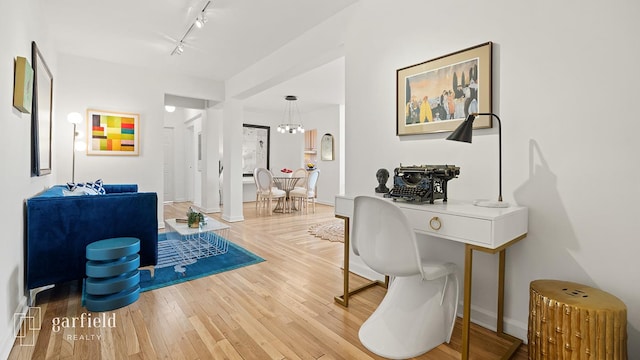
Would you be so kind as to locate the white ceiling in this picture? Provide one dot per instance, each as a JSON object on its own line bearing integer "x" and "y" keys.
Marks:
{"x": 238, "y": 33}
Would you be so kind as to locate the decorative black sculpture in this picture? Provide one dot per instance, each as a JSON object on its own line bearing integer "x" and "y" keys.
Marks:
{"x": 382, "y": 175}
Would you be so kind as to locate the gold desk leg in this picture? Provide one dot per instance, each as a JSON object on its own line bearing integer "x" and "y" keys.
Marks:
{"x": 502, "y": 251}
{"x": 344, "y": 298}
{"x": 515, "y": 342}
{"x": 466, "y": 314}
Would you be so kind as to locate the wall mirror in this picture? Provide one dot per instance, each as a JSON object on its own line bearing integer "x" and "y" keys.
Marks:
{"x": 41, "y": 114}
{"x": 326, "y": 147}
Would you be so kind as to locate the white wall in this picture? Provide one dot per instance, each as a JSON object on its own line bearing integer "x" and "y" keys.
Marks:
{"x": 176, "y": 122}
{"x": 327, "y": 121}
{"x": 16, "y": 184}
{"x": 565, "y": 76}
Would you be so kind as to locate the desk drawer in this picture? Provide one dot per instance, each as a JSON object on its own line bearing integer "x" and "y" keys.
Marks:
{"x": 459, "y": 228}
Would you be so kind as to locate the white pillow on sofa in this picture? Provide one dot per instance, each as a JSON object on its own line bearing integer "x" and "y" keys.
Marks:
{"x": 88, "y": 188}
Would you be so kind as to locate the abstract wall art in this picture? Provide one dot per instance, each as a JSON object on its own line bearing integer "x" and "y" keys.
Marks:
{"x": 112, "y": 133}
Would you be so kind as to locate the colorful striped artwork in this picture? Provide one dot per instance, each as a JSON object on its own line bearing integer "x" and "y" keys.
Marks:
{"x": 112, "y": 133}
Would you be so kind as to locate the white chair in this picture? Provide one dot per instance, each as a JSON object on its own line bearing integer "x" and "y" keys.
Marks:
{"x": 301, "y": 172}
{"x": 419, "y": 310}
{"x": 307, "y": 193}
{"x": 266, "y": 192}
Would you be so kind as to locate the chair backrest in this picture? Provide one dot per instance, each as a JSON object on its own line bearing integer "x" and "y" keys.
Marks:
{"x": 383, "y": 237}
{"x": 312, "y": 180}
{"x": 264, "y": 179}
{"x": 301, "y": 172}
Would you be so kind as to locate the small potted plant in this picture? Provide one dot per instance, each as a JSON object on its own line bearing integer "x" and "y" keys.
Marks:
{"x": 286, "y": 172}
{"x": 194, "y": 218}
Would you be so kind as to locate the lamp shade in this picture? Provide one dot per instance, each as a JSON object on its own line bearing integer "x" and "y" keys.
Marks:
{"x": 464, "y": 131}
{"x": 74, "y": 118}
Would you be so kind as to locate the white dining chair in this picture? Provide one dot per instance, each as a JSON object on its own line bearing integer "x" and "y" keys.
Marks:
{"x": 266, "y": 191}
{"x": 301, "y": 173}
{"x": 419, "y": 310}
{"x": 307, "y": 193}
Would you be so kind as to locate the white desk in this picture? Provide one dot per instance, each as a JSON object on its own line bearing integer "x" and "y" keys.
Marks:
{"x": 490, "y": 230}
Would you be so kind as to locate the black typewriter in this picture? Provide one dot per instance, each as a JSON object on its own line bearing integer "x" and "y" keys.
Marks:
{"x": 422, "y": 183}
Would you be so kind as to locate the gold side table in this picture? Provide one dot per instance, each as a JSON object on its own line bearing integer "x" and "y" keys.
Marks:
{"x": 573, "y": 321}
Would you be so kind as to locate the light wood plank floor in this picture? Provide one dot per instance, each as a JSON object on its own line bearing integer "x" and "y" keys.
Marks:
{"x": 282, "y": 308}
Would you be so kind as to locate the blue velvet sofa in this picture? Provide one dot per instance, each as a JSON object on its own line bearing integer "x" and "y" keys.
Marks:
{"x": 58, "y": 229}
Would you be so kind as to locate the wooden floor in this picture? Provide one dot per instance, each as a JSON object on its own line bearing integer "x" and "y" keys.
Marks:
{"x": 282, "y": 308}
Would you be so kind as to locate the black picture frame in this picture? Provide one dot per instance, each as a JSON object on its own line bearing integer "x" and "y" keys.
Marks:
{"x": 41, "y": 114}
{"x": 256, "y": 144}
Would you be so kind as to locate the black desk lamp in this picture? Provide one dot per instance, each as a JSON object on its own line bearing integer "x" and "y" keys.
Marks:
{"x": 464, "y": 133}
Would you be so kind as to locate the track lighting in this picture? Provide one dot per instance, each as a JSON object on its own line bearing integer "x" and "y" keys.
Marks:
{"x": 199, "y": 22}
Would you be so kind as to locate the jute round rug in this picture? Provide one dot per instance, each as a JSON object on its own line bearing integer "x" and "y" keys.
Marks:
{"x": 331, "y": 230}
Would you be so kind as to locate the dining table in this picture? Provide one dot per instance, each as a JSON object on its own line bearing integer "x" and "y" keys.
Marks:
{"x": 285, "y": 183}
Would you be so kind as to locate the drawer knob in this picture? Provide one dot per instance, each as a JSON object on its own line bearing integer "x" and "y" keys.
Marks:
{"x": 435, "y": 223}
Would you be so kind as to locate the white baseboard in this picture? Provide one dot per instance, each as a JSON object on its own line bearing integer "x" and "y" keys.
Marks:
{"x": 232, "y": 219}
{"x": 7, "y": 343}
{"x": 211, "y": 210}
{"x": 488, "y": 319}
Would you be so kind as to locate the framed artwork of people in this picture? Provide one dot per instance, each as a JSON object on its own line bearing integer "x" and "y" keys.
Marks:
{"x": 438, "y": 94}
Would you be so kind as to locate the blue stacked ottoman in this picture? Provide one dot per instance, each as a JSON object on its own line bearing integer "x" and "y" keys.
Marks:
{"x": 113, "y": 279}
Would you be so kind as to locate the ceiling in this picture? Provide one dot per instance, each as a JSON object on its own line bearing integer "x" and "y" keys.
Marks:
{"x": 237, "y": 34}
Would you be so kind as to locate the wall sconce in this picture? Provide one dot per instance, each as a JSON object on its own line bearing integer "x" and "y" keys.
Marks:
{"x": 464, "y": 133}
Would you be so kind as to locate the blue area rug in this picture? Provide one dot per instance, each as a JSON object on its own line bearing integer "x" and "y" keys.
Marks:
{"x": 176, "y": 263}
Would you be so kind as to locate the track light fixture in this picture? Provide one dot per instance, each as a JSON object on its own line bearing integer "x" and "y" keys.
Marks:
{"x": 199, "y": 22}
{"x": 179, "y": 49}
